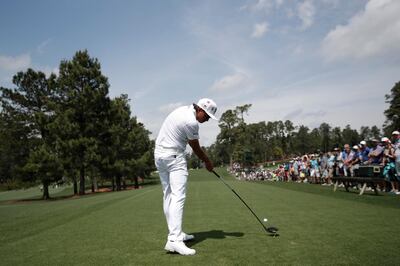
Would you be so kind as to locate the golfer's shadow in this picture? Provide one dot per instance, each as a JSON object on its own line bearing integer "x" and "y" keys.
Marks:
{"x": 213, "y": 234}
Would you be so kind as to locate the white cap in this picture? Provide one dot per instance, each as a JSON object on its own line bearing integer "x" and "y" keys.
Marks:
{"x": 384, "y": 139}
{"x": 363, "y": 142}
{"x": 355, "y": 147}
{"x": 395, "y": 132}
{"x": 209, "y": 106}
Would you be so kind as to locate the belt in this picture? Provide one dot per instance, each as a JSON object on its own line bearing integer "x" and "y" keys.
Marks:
{"x": 169, "y": 149}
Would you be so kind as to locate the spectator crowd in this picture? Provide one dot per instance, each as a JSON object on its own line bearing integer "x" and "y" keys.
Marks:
{"x": 320, "y": 168}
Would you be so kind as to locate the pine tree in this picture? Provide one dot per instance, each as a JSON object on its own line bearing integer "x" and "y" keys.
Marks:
{"x": 30, "y": 106}
{"x": 393, "y": 112}
{"x": 82, "y": 116}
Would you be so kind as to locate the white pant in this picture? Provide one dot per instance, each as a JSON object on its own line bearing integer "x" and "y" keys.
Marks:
{"x": 173, "y": 175}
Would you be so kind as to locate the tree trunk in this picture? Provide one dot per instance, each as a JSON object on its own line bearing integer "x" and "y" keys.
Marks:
{"x": 93, "y": 190}
{"x": 96, "y": 186}
{"x": 82, "y": 181}
{"x": 46, "y": 194}
{"x": 113, "y": 183}
{"x": 136, "y": 182}
{"x": 118, "y": 182}
{"x": 75, "y": 186}
{"x": 124, "y": 183}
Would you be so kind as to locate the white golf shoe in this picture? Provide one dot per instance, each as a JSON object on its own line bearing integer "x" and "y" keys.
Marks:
{"x": 179, "y": 247}
{"x": 187, "y": 237}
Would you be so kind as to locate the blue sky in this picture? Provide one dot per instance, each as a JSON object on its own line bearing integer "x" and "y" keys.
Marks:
{"x": 310, "y": 61}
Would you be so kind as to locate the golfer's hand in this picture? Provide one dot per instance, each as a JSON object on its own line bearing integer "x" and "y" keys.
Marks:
{"x": 209, "y": 165}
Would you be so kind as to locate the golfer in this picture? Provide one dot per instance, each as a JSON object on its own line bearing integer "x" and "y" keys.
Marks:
{"x": 180, "y": 128}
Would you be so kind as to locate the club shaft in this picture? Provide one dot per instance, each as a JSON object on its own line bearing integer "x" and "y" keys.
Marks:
{"x": 245, "y": 204}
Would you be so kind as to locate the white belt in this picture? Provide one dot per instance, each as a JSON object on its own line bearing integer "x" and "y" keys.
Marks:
{"x": 168, "y": 149}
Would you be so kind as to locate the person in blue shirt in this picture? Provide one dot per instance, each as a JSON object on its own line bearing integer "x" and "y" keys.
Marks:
{"x": 347, "y": 156}
{"x": 363, "y": 152}
{"x": 314, "y": 171}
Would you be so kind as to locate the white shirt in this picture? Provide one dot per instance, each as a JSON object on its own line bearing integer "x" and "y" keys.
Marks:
{"x": 179, "y": 127}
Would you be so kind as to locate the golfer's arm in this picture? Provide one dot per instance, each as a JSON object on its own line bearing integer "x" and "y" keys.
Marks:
{"x": 194, "y": 143}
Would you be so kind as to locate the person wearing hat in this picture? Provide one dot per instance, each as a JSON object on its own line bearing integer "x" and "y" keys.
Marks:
{"x": 338, "y": 165}
{"x": 355, "y": 160}
{"x": 396, "y": 139}
{"x": 363, "y": 152}
{"x": 181, "y": 127}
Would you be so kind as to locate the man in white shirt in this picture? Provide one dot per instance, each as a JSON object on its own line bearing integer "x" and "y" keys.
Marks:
{"x": 180, "y": 128}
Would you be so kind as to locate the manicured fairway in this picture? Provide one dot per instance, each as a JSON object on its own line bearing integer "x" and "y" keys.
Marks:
{"x": 316, "y": 226}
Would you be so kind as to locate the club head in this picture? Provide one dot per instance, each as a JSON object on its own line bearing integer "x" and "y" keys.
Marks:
{"x": 273, "y": 230}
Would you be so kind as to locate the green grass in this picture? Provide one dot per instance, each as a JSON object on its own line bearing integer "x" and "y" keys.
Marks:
{"x": 33, "y": 193}
{"x": 317, "y": 226}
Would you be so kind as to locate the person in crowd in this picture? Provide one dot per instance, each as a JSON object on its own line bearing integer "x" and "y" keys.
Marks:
{"x": 295, "y": 175}
{"x": 347, "y": 157}
{"x": 314, "y": 170}
{"x": 354, "y": 163}
{"x": 330, "y": 166}
{"x": 376, "y": 153}
{"x": 396, "y": 146}
{"x": 363, "y": 152}
{"x": 305, "y": 168}
{"x": 339, "y": 162}
{"x": 286, "y": 166}
{"x": 388, "y": 162}
{"x": 323, "y": 166}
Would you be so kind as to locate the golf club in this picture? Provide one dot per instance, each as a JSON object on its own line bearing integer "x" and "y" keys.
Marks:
{"x": 271, "y": 230}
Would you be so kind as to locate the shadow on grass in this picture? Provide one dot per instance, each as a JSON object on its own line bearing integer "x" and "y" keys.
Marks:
{"x": 213, "y": 234}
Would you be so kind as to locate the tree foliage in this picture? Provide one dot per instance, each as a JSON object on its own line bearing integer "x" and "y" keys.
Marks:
{"x": 274, "y": 140}
{"x": 393, "y": 112}
{"x": 54, "y": 128}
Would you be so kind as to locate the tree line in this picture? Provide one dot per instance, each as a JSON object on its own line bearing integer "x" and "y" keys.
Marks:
{"x": 259, "y": 142}
{"x": 67, "y": 128}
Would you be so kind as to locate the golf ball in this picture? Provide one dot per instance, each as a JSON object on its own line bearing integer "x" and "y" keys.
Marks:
{"x": 265, "y": 219}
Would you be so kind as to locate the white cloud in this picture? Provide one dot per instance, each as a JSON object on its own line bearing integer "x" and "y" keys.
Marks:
{"x": 279, "y": 2}
{"x": 229, "y": 83}
{"x": 373, "y": 32}
{"x": 18, "y": 62}
{"x": 311, "y": 104}
{"x": 259, "y": 5}
{"x": 263, "y": 5}
{"x": 167, "y": 108}
{"x": 306, "y": 12}
{"x": 260, "y": 29}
